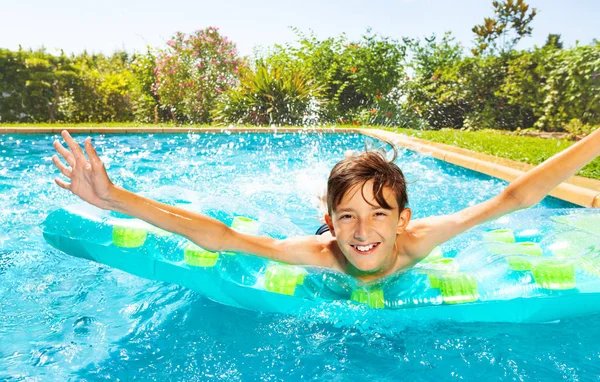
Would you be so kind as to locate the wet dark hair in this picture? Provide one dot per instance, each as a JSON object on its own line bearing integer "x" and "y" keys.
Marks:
{"x": 359, "y": 169}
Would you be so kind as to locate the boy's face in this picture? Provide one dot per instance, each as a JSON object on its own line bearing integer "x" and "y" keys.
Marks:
{"x": 366, "y": 233}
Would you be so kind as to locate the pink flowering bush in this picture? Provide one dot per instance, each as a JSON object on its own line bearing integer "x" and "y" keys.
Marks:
{"x": 193, "y": 71}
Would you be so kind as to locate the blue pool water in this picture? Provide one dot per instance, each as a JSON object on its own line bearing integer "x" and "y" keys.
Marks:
{"x": 66, "y": 318}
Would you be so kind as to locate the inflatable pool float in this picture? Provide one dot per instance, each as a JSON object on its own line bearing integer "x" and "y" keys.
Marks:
{"x": 537, "y": 265}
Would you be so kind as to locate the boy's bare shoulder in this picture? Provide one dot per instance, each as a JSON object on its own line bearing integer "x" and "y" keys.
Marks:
{"x": 420, "y": 226}
{"x": 318, "y": 250}
{"x": 325, "y": 247}
{"x": 419, "y": 238}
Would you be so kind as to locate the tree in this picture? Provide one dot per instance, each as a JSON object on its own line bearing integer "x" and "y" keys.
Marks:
{"x": 553, "y": 40}
{"x": 494, "y": 34}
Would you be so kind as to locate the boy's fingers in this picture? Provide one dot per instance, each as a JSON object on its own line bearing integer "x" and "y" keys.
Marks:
{"x": 63, "y": 184}
{"x": 74, "y": 146}
{"x": 66, "y": 154}
{"x": 91, "y": 152}
{"x": 61, "y": 167}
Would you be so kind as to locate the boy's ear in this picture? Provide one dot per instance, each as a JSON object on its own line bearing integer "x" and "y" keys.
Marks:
{"x": 404, "y": 219}
{"x": 329, "y": 223}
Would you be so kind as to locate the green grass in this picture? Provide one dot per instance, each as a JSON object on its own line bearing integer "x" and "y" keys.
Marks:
{"x": 522, "y": 149}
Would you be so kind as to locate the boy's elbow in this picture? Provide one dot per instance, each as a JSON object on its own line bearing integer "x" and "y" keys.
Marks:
{"x": 530, "y": 202}
{"x": 215, "y": 241}
{"x": 519, "y": 200}
{"x": 225, "y": 238}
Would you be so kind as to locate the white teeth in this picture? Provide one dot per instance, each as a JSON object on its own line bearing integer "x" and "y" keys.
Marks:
{"x": 364, "y": 248}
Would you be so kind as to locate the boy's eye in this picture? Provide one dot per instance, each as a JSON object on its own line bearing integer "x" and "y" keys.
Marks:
{"x": 380, "y": 214}
{"x": 346, "y": 216}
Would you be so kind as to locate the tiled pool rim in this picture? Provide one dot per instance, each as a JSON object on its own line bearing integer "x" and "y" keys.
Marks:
{"x": 577, "y": 190}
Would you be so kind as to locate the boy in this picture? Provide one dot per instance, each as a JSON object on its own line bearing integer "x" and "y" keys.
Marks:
{"x": 371, "y": 234}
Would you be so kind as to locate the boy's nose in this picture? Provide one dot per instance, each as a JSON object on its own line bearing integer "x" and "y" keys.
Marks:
{"x": 362, "y": 232}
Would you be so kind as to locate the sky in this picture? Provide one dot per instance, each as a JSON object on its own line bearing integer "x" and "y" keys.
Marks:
{"x": 111, "y": 25}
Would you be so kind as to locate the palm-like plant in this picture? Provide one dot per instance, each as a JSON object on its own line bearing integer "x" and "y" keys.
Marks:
{"x": 272, "y": 94}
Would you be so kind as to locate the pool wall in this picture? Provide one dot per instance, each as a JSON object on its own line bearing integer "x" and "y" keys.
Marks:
{"x": 577, "y": 190}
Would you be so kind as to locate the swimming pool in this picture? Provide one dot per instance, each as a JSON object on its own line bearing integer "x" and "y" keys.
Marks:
{"x": 64, "y": 318}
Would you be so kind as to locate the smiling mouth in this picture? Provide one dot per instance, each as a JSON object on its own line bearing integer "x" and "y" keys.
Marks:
{"x": 365, "y": 249}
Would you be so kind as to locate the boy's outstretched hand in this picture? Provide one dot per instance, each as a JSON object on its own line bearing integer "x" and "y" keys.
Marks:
{"x": 88, "y": 177}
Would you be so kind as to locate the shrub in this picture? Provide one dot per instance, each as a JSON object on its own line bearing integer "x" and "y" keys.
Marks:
{"x": 389, "y": 110}
{"x": 144, "y": 101}
{"x": 102, "y": 92}
{"x": 572, "y": 88}
{"x": 193, "y": 71}
{"x": 273, "y": 94}
{"x": 32, "y": 84}
{"x": 451, "y": 91}
{"x": 13, "y": 76}
{"x": 557, "y": 85}
{"x": 489, "y": 107}
{"x": 578, "y": 128}
{"x": 352, "y": 74}
{"x": 435, "y": 91}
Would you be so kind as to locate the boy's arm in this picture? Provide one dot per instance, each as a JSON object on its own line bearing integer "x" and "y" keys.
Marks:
{"x": 91, "y": 183}
{"x": 526, "y": 191}
{"x": 213, "y": 235}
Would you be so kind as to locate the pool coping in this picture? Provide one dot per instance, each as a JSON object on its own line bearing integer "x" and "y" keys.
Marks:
{"x": 578, "y": 190}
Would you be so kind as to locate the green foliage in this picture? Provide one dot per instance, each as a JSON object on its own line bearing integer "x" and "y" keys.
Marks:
{"x": 193, "y": 71}
{"x": 49, "y": 76}
{"x": 556, "y": 85}
{"x": 553, "y": 40}
{"x": 489, "y": 106}
{"x": 102, "y": 92}
{"x": 544, "y": 88}
{"x": 353, "y": 74}
{"x": 272, "y": 94}
{"x": 59, "y": 124}
{"x": 578, "y": 128}
{"x": 13, "y": 77}
{"x": 430, "y": 56}
{"x": 144, "y": 101}
{"x": 32, "y": 84}
{"x": 494, "y": 34}
{"x": 389, "y": 110}
{"x": 434, "y": 92}
{"x": 572, "y": 87}
{"x": 524, "y": 75}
